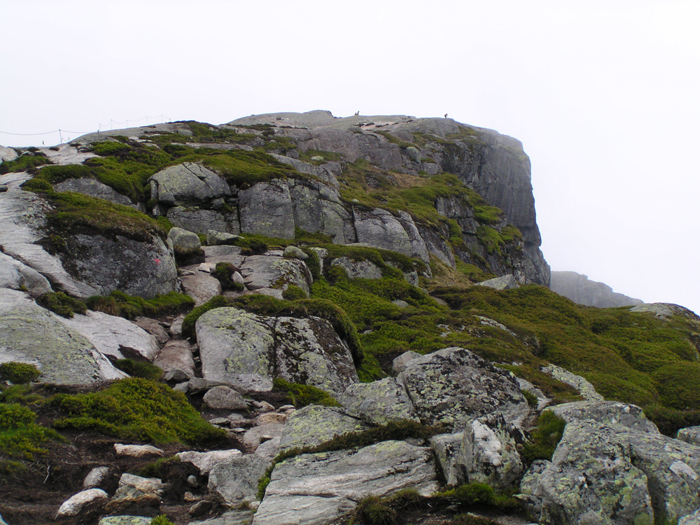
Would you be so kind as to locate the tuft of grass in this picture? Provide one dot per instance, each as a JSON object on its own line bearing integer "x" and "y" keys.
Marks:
{"x": 19, "y": 373}
{"x": 136, "y": 409}
{"x": 130, "y": 307}
{"x": 545, "y": 438}
{"x": 25, "y": 162}
{"x": 302, "y": 395}
{"x": 61, "y": 304}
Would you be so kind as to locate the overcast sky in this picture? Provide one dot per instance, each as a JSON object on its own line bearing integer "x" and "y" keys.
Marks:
{"x": 603, "y": 95}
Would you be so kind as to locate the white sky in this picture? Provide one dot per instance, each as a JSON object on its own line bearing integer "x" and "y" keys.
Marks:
{"x": 603, "y": 95}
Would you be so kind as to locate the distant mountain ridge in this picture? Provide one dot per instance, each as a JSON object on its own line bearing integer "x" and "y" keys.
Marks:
{"x": 582, "y": 290}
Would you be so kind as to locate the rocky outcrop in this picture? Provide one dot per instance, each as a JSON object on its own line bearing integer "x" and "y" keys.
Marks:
{"x": 249, "y": 350}
{"x": 581, "y": 290}
{"x": 187, "y": 183}
{"x": 612, "y": 466}
{"x": 453, "y": 386}
{"x": 315, "y": 489}
{"x": 30, "y": 334}
{"x": 93, "y": 188}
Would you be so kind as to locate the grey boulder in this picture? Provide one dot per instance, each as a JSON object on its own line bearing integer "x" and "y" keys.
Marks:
{"x": 187, "y": 183}
{"x": 237, "y": 480}
{"x": 312, "y": 425}
{"x": 317, "y": 489}
{"x": 379, "y": 402}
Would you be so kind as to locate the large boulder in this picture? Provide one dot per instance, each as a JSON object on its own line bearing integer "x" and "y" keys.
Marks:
{"x": 31, "y": 334}
{"x": 236, "y": 480}
{"x": 607, "y": 412}
{"x": 379, "y": 402}
{"x": 201, "y": 220}
{"x": 250, "y": 350}
{"x": 317, "y": 489}
{"x": 114, "y": 336}
{"x": 187, "y": 183}
{"x": 313, "y": 425}
{"x": 93, "y": 188}
{"x": 616, "y": 464}
{"x": 453, "y": 386}
{"x": 18, "y": 276}
{"x": 270, "y": 271}
{"x": 318, "y": 208}
{"x": 266, "y": 209}
{"x": 136, "y": 267}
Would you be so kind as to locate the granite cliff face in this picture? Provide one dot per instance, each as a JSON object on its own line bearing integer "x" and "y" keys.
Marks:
{"x": 294, "y": 318}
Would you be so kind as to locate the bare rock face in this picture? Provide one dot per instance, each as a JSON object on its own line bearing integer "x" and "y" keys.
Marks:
{"x": 187, "y": 183}
{"x": 266, "y": 209}
{"x": 93, "y": 188}
{"x": 379, "y": 402}
{"x": 453, "y": 386}
{"x": 237, "y": 480}
{"x": 315, "y": 489}
{"x": 249, "y": 350}
{"x": 31, "y": 334}
{"x": 313, "y": 425}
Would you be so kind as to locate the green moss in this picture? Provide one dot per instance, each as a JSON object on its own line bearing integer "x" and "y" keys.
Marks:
{"x": 19, "y": 373}
{"x": 140, "y": 369}
{"x": 224, "y": 274}
{"x": 373, "y": 510}
{"x": 61, "y": 304}
{"x": 293, "y": 293}
{"x": 188, "y": 324}
{"x": 302, "y": 395}
{"x": 130, "y": 307}
{"x": 137, "y": 409}
{"x": 77, "y": 213}
{"x": 545, "y": 438}
{"x": 161, "y": 519}
{"x": 25, "y": 162}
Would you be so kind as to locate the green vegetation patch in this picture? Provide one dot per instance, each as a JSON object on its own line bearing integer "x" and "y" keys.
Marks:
{"x": 20, "y": 437}
{"x": 19, "y": 373}
{"x": 302, "y": 395}
{"x": 136, "y": 409}
{"x": 130, "y": 307}
{"x": 62, "y": 304}
{"x": 25, "y": 162}
{"x": 142, "y": 369}
{"x": 188, "y": 324}
{"x": 545, "y": 438}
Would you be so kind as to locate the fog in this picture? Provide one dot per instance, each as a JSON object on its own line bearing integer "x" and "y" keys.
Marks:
{"x": 603, "y": 96}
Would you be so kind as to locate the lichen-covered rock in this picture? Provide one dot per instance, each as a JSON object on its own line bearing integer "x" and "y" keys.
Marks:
{"x": 200, "y": 286}
{"x": 237, "y": 480}
{"x": 592, "y": 479}
{"x": 233, "y": 517}
{"x": 125, "y": 520}
{"x": 448, "y": 452}
{"x": 317, "y": 489}
{"x": 31, "y": 334}
{"x": 381, "y": 229}
{"x": 358, "y": 269}
{"x": 689, "y": 435}
{"x": 585, "y": 388}
{"x": 309, "y": 351}
{"x": 490, "y": 454}
{"x": 601, "y": 470}
{"x": 237, "y": 347}
{"x": 183, "y": 240}
{"x": 132, "y": 487}
{"x": 224, "y": 398}
{"x": 187, "y": 183}
{"x": 137, "y": 451}
{"x": 266, "y": 271}
{"x": 379, "y": 402}
{"x": 266, "y": 209}
{"x": 402, "y": 362}
{"x": 202, "y": 220}
{"x": 453, "y": 386}
{"x": 313, "y": 425}
{"x": 145, "y": 269}
{"x": 250, "y": 350}
{"x": 608, "y": 412}
{"x": 317, "y": 208}
{"x": 690, "y": 519}
{"x": 93, "y": 188}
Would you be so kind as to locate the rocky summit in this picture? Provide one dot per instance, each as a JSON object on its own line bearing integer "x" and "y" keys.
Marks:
{"x": 303, "y": 319}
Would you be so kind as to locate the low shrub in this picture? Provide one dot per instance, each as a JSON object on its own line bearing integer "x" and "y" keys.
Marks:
{"x": 224, "y": 274}
{"x": 20, "y": 436}
{"x": 130, "y": 307}
{"x": 139, "y": 410}
{"x": 373, "y": 510}
{"x": 19, "y": 373}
